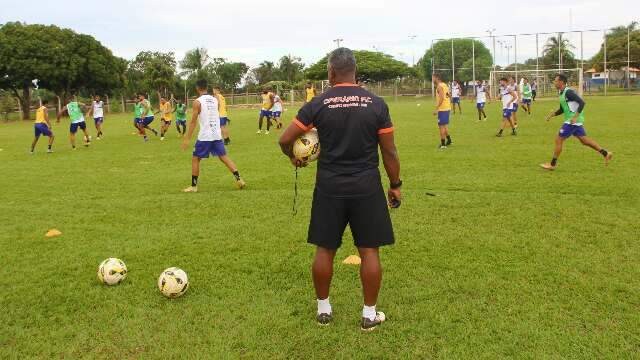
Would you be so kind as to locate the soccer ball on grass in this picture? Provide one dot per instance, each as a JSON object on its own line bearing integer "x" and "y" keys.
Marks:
{"x": 112, "y": 271}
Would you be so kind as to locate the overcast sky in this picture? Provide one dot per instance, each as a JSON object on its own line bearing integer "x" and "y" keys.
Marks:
{"x": 252, "y": 31}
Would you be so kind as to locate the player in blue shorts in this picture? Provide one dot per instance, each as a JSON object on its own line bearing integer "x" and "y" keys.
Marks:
{"x": 481, "y": 98}
{"x": 442, "y": 110}
{"x": 276, "y": 110}
{"x": 206, "y": 115}
{"x": 572, "y": 107}
{"x": 42, "y": 126}
{"x": 516, "y": 102}
{"x": 508, "y": 97}
{"x": 456, "y": 92}
{"x": 146, "y": 117}
{"x": 181, "y": 118}
{"x": 267, "y": 103}
{"x": 527, "y": 96}
{"x": 75, "y": 111}
{"x": 97, "y": 110}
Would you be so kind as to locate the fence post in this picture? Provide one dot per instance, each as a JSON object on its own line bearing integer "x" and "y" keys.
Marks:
{"x": 293, "y": 94}
{"x": 124, "y": 105}
{"x": 247, "y": 96}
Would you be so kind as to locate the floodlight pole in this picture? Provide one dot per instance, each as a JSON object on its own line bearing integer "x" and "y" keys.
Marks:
{"x": 338, "y": 41}
{"x": 453, "y": 63}
{"x": 628, "y": 58}
{"x": 559, "y": 52}
{"x": 515, "y": 54}
{"x": 473, "y": 64}
{"x": 413, "y": 54}
{"x": 606, "y": 77}
{"x": 537, "y": 59}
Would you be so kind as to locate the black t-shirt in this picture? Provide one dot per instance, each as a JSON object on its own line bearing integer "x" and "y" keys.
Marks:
{"x": 349, "y": 120}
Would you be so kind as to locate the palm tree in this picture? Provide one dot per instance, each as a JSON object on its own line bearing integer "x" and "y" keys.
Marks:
{"x": 194, "y": 61}
{"x": 558, "y": 45}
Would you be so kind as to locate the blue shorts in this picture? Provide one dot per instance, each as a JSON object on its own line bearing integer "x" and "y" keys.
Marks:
{"x": 73, "y": 128}
{"x": 266, "y": 113}
{"x": 455, "y": 100}
{"x": 515, "y": 108}
{"x": 42, "y": 129}
{"x": 202, "y": 149}
{"x": 224, "y": 121}
{"x": 146, "y": 121}
{"x": 181, "y": 122}
{"x": 526, "y": 101}
{"x": 506, "y": 113}
{"x": 568, "y": 130}
{"x": 98, "y": 120}
{"x": 276, "y": 114}
{"x": 443, "y": 117}
{"x": 480, "y": 106}
{"x": 136, "y": 121}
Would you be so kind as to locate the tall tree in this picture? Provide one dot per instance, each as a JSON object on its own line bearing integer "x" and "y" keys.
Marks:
{"x": 558, "y": 51}
{"x": 194, "y": 61}
{"x": 265, "y": 72}
{"x": 155, "y": 71}
{"x": 230, "y": 74}
{"x": 290, "y": 69}
{"x": 372, "y": 66}
{"x": 463, "y": 50}
{"x": 617, "y": 48}
{"x": 62, "y": 60}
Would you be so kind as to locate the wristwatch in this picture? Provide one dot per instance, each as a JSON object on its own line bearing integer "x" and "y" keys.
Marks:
{"x": 396, "y": 185}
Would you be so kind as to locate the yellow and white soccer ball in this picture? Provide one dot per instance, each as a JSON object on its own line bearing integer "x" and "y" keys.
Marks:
{"x": 112, "y": 271}
{"x": 307, "y": 147}
{"x": 173, "y": 282}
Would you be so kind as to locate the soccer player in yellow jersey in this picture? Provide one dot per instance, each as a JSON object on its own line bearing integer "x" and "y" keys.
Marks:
{"x": 310, "y": 92}
{"x": 224, "y": 117}
{"x": 42, "y": 126}
{"x": 443, "y": 109}
{"x": 166, "y": 110}
{"x": 267, "y": 103}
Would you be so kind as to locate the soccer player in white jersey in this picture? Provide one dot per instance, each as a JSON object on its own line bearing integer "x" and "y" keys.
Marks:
{"x": 205, "y": 114}
{"x": 276, "y": 110}
{"x": 481, "y": 98}
{"x": 97, "y": 109}
{"x": 516, "y": 103}
{"x": 456, "y": 91}
{"x": 508, "y": 98}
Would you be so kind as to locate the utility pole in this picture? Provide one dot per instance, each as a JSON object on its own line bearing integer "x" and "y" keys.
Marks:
{"x": 493, "y": 40}
{"x": 413, "y": 54}
{"x": 338, "y": 41}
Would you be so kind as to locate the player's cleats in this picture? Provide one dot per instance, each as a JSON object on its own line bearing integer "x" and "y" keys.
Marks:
{"x": 324, "y": 319}
{"x": 442, "y": 147}
{"x": 608, "y": 158}
{"x": 241, "y": 184}
{"x": 499, "y": 135}
{"x": 548, "y": 166}
{"x": 370, "y": 325}
{"x": 49, "y": 151}
{"x": 162, "y": 138}
{"x": 259, "y": 132}
{"x": 266, "y": 132}
{"x": 31, "y": 152}
{"x": 191, "y": 189}
{"x": 154, "y": 131}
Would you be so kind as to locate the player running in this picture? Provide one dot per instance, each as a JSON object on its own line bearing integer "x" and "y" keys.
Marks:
{"x": 42, "y": 126}
{"x": 456, "y": 91}
{"x": 534, "y": 90}
{"x": 137, "y": 112}
{"x": 97, "y": 110}
{"x": 572, "y": 106}
{"x": 310, "y": 92}
{"x": 206, "y": 114}
{"x": 146, "y": 117}
{"x": 267, "y": 103}
{"x": 181, "y": 118}
{"x": 481, "y": 98}
{"x": 276, "y": 110}
{"x": 527, "y": 96}
{"x": 516, "y": 101}
{"x": 348, "y": 187}
{"x": 443, "y": 110}
{"x": 74, "y": 109}
{"x": 507, "y": 96}
{"x": 166, "y": 116}
{"x": 224, "y": 117}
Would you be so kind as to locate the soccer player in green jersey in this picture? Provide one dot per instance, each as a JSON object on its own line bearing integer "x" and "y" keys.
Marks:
{"x": 527, "y": 96}
{"x": 74, "y": 109}
{"x": 572, "y": 107}
{"x": 181, "y": 118}
{"x": 146, "y": 117}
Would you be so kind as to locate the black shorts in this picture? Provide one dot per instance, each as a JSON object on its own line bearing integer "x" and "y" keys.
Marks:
{"x": 368, "y": 218}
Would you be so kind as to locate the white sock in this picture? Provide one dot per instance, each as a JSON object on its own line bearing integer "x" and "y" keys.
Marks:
{"x": 369, "y": 312}
{"x": 324, "y": 307}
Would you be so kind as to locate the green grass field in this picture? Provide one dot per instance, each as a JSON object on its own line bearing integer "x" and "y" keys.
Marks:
{"x": 507, "y": 261}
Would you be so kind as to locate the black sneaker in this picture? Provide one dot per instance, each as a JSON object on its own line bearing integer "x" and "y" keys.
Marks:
{"x": 324, "y": 319}
{"x": 449, "y": 142}
{"x": 370, "y": 325}
{"x": 513, "y": 133}
{"x": 499, "y": 134}
{"x": 227, "y": 141}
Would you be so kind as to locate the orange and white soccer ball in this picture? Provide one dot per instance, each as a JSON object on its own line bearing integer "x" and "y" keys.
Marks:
{"x": 173, "y": 282}
{"x": 307, "y": 147}
{"x": 112, "y": 271}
